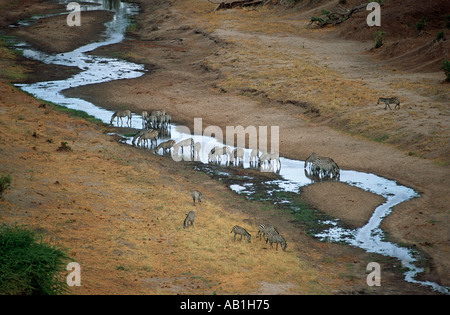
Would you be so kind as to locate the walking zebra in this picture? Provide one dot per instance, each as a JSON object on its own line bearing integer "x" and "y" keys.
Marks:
{"x": 264, "y": 229}
{"x": 241, "y": 231}
{"x": 389, "y": 100}
{"x": 278, "y": 239}
{"x": 190, "y": 217}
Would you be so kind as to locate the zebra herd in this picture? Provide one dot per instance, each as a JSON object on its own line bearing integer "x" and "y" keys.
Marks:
{"x": 271, "y": 233}
{"x": 156, "y": 124}
{"x": 264, "y": 230}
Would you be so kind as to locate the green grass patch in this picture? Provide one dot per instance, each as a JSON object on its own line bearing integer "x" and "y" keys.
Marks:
{"x": 73, "y": 112}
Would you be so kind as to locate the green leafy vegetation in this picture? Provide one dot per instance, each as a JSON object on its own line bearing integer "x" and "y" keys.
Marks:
{"x": 5, "y": 183}
{"x": 28, "y": 266}
{"x": 446, "y": 67}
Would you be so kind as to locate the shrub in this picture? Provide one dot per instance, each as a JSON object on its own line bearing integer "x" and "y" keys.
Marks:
{"x": 420, "y": 26}
{"x": 379, "y": 38}
{"x": 28, "y": 266}
{"x": 446, "y": 67}
{"x": 5, "y": 183}
{"x": 447, "y": 21}
{"x": 439, "y": 36}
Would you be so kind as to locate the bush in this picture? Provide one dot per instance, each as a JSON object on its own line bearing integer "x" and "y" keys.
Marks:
{"x": 439, "y": 36}
{"x": 420, "y": 26}
{"x": 5, "y": 183}
{"x": 29, "y": 266}
{"x": 447, "y": 21}
{"x": 379, "y": 38}
{"x": 446, "y": 67}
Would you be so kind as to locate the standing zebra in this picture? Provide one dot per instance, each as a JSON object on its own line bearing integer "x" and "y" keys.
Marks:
{"x": 241, "y": 231}
{"x": 196, "y": 195}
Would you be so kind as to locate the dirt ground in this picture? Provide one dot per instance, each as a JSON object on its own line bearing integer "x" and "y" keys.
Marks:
{"x": 214, "y": 66}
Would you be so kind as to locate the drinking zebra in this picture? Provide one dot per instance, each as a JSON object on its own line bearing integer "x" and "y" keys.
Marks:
{"x": 322, "y": 166}
{"x": 120, "y": 114}
{"x": 165, "y": 146}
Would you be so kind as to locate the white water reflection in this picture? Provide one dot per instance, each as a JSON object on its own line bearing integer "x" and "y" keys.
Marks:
{"x": 292, "y": 175}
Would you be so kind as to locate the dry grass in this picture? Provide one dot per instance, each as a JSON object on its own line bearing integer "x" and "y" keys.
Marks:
{"x": 120, "y": 213}
{"x": 265, "y": 55}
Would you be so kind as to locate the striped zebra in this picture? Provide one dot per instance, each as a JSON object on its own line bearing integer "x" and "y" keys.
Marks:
{"x": 325, "y": 168}
{"x": 196, "y": 195}
{"x": 278, "y": 239}
{"x": 241, "y": 231}
{"x": 190, "y": 217}
{"x": 389, "y": 100}
{"x": 119, "y": 115}
{"x": 165, "y": 146}
{"x": 322, "y": 165}
{"x": 264, "y": 229}
{"x": 151, "y": 135}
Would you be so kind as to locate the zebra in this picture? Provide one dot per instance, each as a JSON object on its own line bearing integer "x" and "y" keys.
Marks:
{"x": 254, "y": 156}
{"x": 167, "y": 119}
{"x": 165, "y": 146}
{"x": 144, "y": 115}
{"x": 197, "y": 195}
{"x": 190, "y": 217}
{"x": 241, "y": 231}
{"x": 276, "y": 238}
{"x": 322, "y": 165}
{"x": 138, "y": 134}
{"x": 120, "y": 114}
{"x": 197, "y": 148}
{"x": 157, "y": 113}
{"x": 161, "y": 121}
{"x": 325, "y": 168}
{"x": 270, "y": 157}
{"x": 151, "y": 121}
{"x": 183, "y": 143}
{"x": 389, "y": 100}
{"x": 149, "y": 135}
{"x": 238, "y": 156}
{"x": 215, "y": 155}
{"x": 264, "y": 229}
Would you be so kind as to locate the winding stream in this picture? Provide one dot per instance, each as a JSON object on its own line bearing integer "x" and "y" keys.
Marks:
{"x": 291, "y": 177}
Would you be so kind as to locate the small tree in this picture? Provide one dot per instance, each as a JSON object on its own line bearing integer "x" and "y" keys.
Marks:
{"x": 29, "y": 266}
{"x": 5, "y": 183}
{"x": 379, "y": 38}
{"x": 446, "y": 67}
